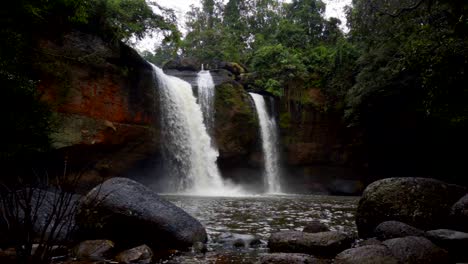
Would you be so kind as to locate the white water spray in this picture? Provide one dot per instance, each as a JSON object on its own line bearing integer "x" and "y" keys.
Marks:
{"x": 188, "y": 154}
{"x": 268, "y": 129}
{"x": 206, "y": 96}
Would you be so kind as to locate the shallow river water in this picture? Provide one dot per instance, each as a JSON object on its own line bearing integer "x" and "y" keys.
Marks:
{"x": 239, "y": 227}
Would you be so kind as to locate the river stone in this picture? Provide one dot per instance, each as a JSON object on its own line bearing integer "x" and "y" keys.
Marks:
{"x": 132, "y": 214}
{"x": 455, "y": 242}
{"x": 94, "y": 249}
{"x": 320, "y": 244}
{"x": 315, "y": 227}
{"x": 141, "y": 255}
{"x": 416, "y": 250}
{"x": 459, "y": 214}
{"x": 289, "y": 258}
{"x": 394, "y": 229}
{"x": 420, "y": 202}
{"x": 366, "y": 255}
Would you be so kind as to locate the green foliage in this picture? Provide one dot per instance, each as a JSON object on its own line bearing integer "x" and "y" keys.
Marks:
{"x": 414, "y": 50}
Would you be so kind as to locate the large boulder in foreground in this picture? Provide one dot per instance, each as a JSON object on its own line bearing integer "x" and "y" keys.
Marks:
{"x": 420, "y": 202}
{"x": 128, "y": 212}
{"x": 320, "y": 244}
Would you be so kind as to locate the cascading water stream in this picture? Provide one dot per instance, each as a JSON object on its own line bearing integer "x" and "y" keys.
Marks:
{"x": 268, "y": 129}
{"x": 206, "y": 95}
{"x": 188, "y": 155}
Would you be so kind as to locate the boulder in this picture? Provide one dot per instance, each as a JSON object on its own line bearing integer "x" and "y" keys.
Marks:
{"x": 320, "y": 244}
{"x": 412, "y": 249}
{"x": 141, "y": 255}
{"x": 183, "y": 64}
{"x": 289, "y": 258}
{"x": 94, "y": 249}
{"x": 236, "y": 68}
{"x": 315, "y": 227}
{"x": 366, "y": 255}
{"x": 455, "y": 242}
{"x": 459, "y": 214}
{"x": 420, "y": 202}
{"x": 130, "y": 213}
{"x": 394, "y": 229}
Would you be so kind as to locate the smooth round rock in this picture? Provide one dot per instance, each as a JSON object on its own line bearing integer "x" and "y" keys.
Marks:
{"x": 416, "y": 250}
{"x": 366, "y": 255}
{"x": 315, "y": 227}
{"x": 394, "y": 229}
{"x": 141, "y": 255}
{"x": 320, "y": 244}
{"x": 132, "y": 214}
{"x": 94, "y": 249}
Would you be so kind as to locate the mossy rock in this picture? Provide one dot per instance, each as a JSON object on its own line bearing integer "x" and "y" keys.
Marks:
{"x": 421, "y": 202}
{"x": 236, "y": 126}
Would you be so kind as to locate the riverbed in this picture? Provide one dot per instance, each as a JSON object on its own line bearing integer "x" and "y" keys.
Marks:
{"x": 239, "y": 227}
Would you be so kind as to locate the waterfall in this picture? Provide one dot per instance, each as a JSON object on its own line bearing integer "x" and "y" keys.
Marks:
{"x": 188, "y": 155}
{"x": 206, "y": 94}
{"x": 269, "y": 134}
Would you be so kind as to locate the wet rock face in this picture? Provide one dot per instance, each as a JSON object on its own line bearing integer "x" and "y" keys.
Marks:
{"x": 420, "y": 202}
{"x": 320, "y": 244}
{"x": 103, "y": 96}
{"x": 130, "y": 213}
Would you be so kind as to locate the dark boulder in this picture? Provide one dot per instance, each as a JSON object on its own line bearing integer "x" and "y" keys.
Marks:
{"x": 289, "y": 258}
{"x": 416, "y": 250}
{"x": 320, "y": 244}
{"x": 183, "y": 64}
{"x": 236, "y": 68}
{"x": 454, "y": 241}
{"x": 394, "y": 229}
{"x": 130, "y": 213}
{"x": 420, "y": 202}
{"x": 459, "y": 214}
{"x": 366, "y": 255}
{"x": 315, "y": 227}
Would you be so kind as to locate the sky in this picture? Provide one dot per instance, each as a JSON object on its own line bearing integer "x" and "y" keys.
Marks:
{"x": 334, "y": 9}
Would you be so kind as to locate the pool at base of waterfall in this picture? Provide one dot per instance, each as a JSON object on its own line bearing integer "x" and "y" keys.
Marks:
{"x": 239, "y": 227}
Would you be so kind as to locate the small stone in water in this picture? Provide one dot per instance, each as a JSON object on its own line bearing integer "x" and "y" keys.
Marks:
{"x": 238, "y": 243}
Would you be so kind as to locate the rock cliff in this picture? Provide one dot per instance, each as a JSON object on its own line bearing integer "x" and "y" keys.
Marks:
{"x": 103, "y": 98}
